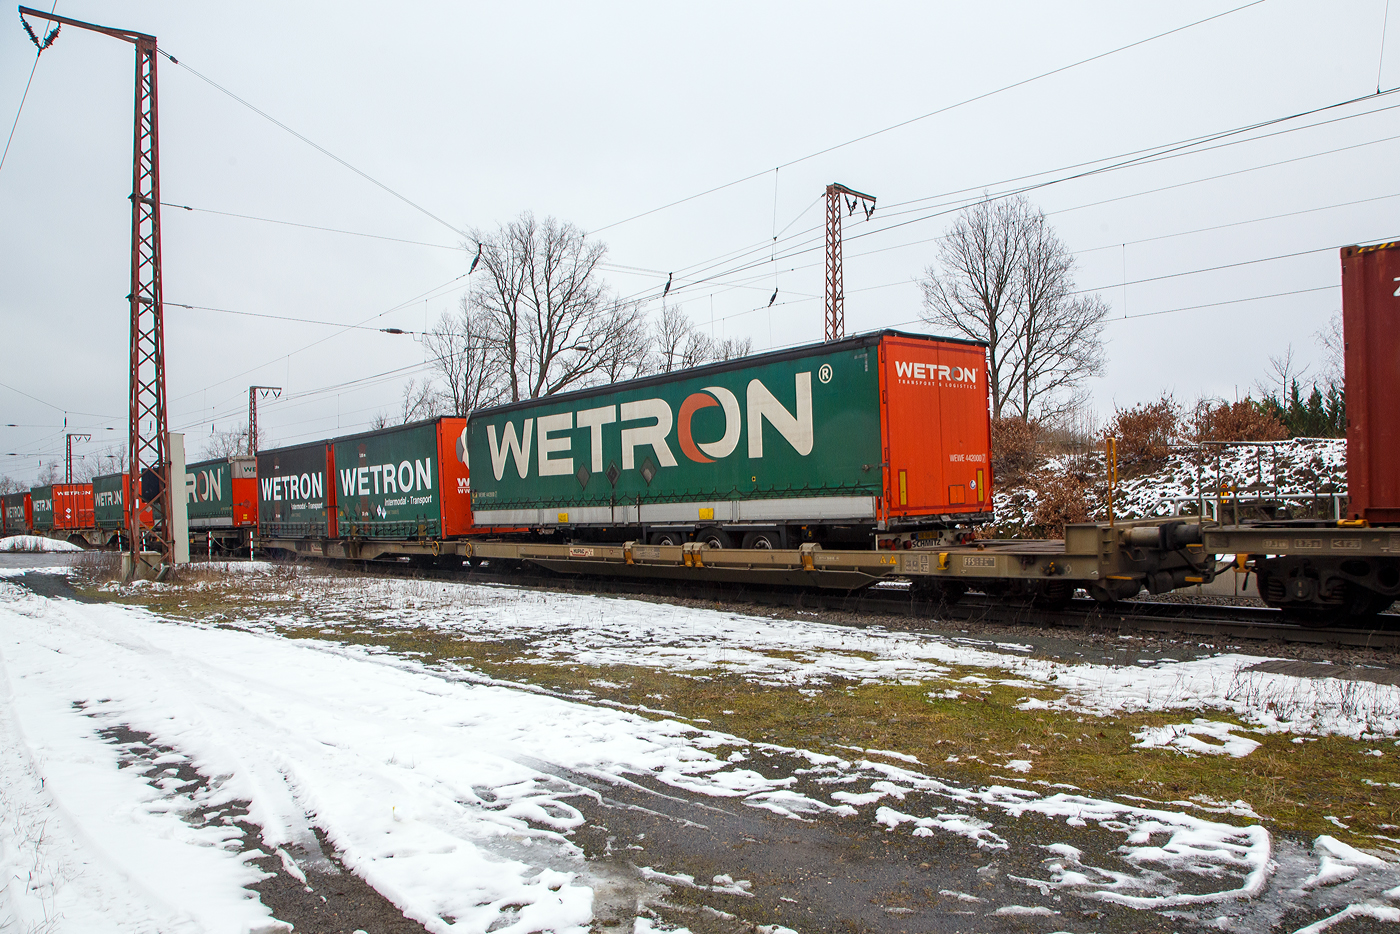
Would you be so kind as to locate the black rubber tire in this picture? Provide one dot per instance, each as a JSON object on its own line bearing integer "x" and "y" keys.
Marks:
{"x": 715, "y": 538}
{"x": 765, "y": 541}
{"x": 667, "y": 538}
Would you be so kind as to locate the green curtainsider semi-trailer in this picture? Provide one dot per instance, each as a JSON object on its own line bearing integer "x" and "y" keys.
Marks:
{"x": 871, "y": 440}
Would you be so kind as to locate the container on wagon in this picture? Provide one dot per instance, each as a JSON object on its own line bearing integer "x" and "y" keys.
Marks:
{"x": 15, "y": 512}
{"x": 109, "y": 496}
{"x": 406, "y": 482}
{"x": 62, "y": 507}
{"x": 1371, "y": 329}
{"x": 222, "y": 493}
{"x": 296, "y": 492}
{"x": 880, "y": 431}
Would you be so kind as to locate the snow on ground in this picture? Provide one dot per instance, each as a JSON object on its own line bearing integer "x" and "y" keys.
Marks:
{"x": 35, "y": 543}
{"x": 454, "y": 795}
{"x": 1302, "y": 467}
{"x": 1185, "y": 738}
{"x": 592, "y": 630}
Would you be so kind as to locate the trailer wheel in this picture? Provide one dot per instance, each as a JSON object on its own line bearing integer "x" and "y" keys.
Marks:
{"x": 667, "y": 538}
{"x": 715, "y": 538}
{"x": 764, "y": 541}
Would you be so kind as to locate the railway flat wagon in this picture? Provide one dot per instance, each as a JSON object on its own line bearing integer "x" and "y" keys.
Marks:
{"x": 15, "y": 513}
{"x": 409, "y": 482}
{"x": 296, "y": 492}
{"x": 221, "y": 499}
{"x": 883, "y": 436}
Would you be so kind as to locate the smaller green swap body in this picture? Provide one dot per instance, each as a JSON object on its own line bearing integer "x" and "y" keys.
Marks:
{"x": 107, "y": 504}
{"x": 387, "y": 483}
{"x": 42, "y": 498}
{"x": 294, "y": 499}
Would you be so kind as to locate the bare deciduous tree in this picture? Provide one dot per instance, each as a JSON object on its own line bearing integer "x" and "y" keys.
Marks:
{"x": 627, "y": 346}
{"x": 230, "y": 442}
{"x": 52, "y": 472}
{"x": 546, "y": 313}
{"x": 461, "y": 355}
{"x": 678, "y": 343}
{"x": 420, "y": 401}
{"x": 971, "y": 290}
{"x": 1058, "y": 334}
{"x": 112, "y": 459}
{"x": 10, "y": 485}
{"x": 1005, "y": 278}
{"x": 1283, "y": 373}
{"x": 732, "y": 348}
{"x": 1333, "y": 344}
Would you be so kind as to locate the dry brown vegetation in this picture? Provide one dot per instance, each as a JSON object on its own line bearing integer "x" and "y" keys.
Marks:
{"x": 1062, "y": 497}
{"x": 1145, "y": 433}
{"x": 1016, "y": 448}
{"x": 1245, "y": 420}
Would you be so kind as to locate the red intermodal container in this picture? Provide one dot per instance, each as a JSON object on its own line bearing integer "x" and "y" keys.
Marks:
{"x": 1371, "y": 329}
{"x": 72, "y": 506}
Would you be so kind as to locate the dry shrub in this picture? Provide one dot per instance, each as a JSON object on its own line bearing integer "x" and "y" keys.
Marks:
{"x": 97, "y": 567}
{"x": 1146, "y": 433}
{"x": 1245, "y": 420}
{"x": 1015, "y": 448}
{"x": 1061, "y": 498}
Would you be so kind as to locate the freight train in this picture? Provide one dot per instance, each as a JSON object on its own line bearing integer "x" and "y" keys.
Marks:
{"x": 832, "y": 465}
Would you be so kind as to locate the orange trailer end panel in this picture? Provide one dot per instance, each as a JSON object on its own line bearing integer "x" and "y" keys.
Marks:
{"x": 244, "y": 484}
{"x": 937, "y": 434}
{"x": 454, "y": 480}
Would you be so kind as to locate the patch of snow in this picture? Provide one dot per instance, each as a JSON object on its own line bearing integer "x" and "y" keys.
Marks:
{"x": 35, "y": 543}
{"x": 1014, "y": 910}
{"x": 960, "y": 896}
{"x": 1374, "y": 912}
{"x": 964, "y": 825}
{"x": 1183, "y": 738}
{"x": 1338, "y": 862}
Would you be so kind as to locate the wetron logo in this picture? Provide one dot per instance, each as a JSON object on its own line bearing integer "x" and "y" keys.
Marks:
{"x": 935, "y": 373}
{"x": 648, "y": 423}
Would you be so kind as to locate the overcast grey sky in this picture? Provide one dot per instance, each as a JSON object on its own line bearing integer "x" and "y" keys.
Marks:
{"x": 595, "y": 113}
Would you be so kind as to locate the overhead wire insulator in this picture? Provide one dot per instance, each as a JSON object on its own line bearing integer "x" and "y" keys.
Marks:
{"x": 47, "y": 40}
